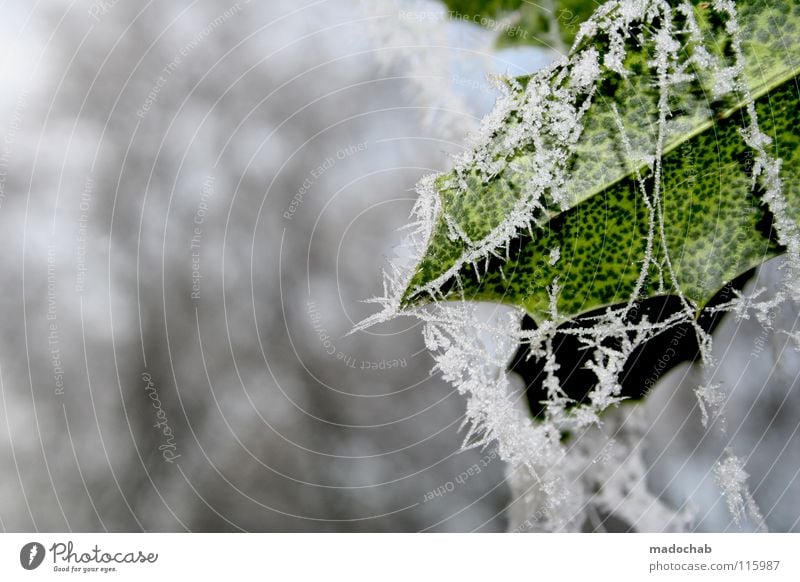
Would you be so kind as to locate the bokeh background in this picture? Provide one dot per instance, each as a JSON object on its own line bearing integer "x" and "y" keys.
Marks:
{"x": 195, "y": 199}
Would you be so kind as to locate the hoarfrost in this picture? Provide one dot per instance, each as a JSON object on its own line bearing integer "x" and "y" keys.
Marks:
{"x": 732, "y": 478}
{"x": 561, "y": 482}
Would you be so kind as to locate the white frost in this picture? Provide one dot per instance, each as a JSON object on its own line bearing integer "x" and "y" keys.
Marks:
{"x": 561, "y": 479}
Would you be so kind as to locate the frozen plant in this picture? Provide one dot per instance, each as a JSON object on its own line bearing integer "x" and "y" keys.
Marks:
{"x": 643, "y": 79}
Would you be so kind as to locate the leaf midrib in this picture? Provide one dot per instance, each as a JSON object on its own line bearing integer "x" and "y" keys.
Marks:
{"x": 764, "y": 89}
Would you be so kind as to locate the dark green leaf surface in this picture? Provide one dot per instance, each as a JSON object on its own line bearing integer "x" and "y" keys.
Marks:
{"x": 715, "y": 226}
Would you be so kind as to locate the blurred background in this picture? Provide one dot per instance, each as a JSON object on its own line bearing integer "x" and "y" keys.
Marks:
{"x": 195, "y": 199}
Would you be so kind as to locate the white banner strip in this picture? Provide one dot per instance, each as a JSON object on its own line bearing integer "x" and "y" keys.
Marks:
{"x": 401, "y": 557}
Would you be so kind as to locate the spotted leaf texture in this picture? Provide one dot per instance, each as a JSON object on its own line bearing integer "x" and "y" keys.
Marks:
{"x": 590, "y": 235}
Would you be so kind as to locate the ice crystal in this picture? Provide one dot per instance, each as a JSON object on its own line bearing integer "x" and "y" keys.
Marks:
{"x": 710, "y": 399}
{"x": 732, "y": 478}
{"x": 555, "y": 255}
{"x": 743, "y": 305}
{"x": 562, "y": 484}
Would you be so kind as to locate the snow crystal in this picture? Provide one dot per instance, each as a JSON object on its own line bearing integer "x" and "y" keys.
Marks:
{"x": 555, "y": 254}
{"x": 732, "y": 479}
{"x": 557, "y": 481}
{"x": 710, "y": 399}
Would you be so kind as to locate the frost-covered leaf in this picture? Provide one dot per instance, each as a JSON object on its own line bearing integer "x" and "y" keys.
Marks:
{"x": 583, "y": 182}
{"x": 658, "y": 158}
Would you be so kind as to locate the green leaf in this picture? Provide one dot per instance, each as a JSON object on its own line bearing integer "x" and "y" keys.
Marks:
{"x": 547, "y": 23}
{"x": 715, "y": 227}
